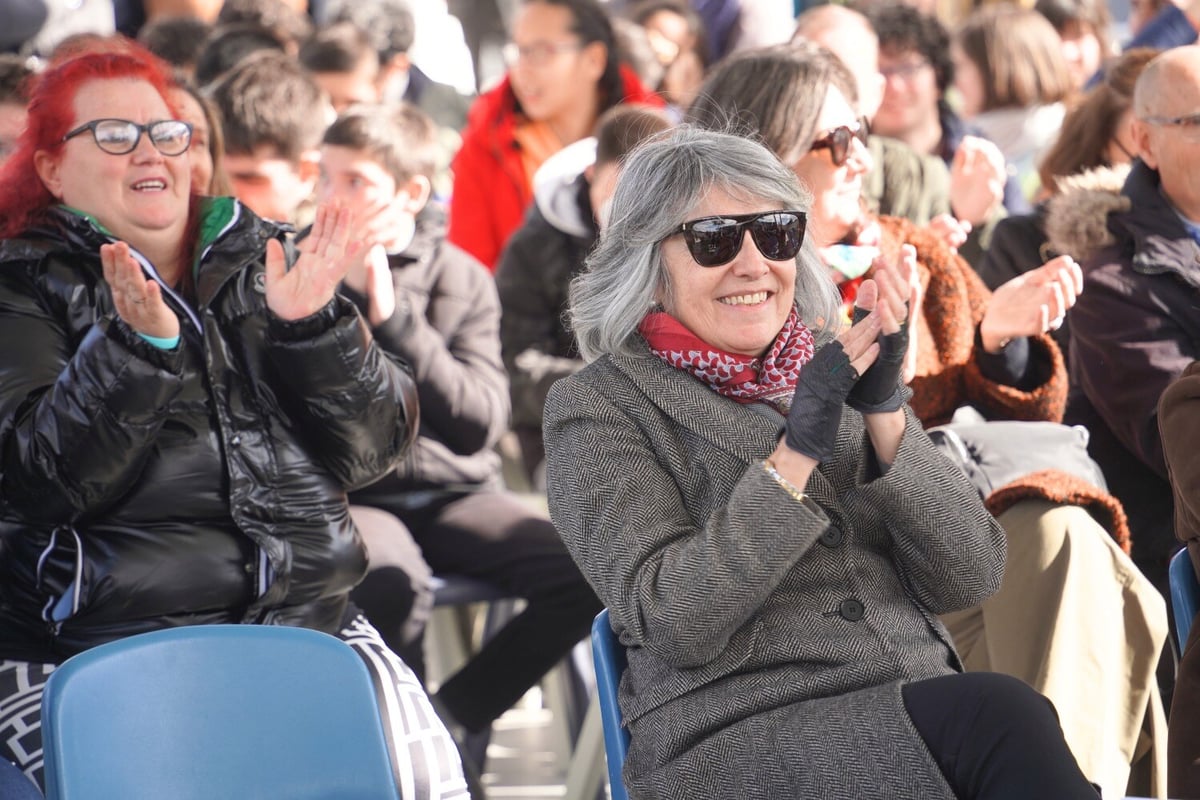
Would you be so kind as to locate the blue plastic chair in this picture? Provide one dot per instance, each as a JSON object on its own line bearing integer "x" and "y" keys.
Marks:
{"x": 1185, "y": 595}
{"x": 609, "y": 655}
{"x": 207, "y": 711}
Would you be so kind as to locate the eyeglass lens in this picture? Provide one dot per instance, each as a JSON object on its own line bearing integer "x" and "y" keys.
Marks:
{"x": 118, "y": 137}
{"x": 714, "y": 241}
{"x": 838, "y": 142}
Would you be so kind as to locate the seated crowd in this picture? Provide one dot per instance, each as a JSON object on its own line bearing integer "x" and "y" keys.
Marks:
{"x": 825, "y": 347}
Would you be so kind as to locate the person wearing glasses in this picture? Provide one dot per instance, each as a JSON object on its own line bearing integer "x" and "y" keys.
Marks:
{"x": 184, "y": 402}
{"x": 563, "y": 74}
{"x": 1136, "y": 330}
{"x": 738, "y": 474}
{"x": 992, "y": 356}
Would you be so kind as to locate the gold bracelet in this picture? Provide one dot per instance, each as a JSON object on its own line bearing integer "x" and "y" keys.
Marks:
{"x": 783, "y": 482}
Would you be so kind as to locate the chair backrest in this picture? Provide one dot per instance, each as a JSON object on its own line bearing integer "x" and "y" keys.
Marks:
{"x": 609, "y": 656}
{"x": 207, "y": 711}
{"x": 1185, "y": 595}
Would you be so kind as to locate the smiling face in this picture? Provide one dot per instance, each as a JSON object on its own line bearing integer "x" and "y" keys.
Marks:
{"x": 141, "y": 196}
{"x": 910, "y": 94}
{"x": 738, "y": 307}
{"x": 837, "y": 190}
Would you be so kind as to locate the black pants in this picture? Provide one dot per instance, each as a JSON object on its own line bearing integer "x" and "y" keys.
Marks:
{"x": 995, "y": 738}
{"x": 495, "y": 537}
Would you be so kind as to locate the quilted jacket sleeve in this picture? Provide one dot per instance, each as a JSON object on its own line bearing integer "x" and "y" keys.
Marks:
{"x": 360, "y": 405}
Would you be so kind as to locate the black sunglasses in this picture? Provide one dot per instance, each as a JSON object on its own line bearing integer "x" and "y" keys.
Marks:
{"x": 838, "y": 141}
{"x": 171, "y": 137}
{"x": 714, "y": 241}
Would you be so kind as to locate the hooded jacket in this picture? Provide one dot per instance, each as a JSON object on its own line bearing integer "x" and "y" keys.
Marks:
{"x": 446, "y": 326}
{"x": 1133, "y": 330}
{"x": 143, "y": 488}
{"x": 537, "y": 266}
{"x": 491, "y": 190}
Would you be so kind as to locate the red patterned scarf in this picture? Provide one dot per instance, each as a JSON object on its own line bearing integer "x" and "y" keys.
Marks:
{"x": 770, "y": 379}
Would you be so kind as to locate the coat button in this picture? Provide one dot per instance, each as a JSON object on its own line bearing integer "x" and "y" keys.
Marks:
{"x": 236, "y": 441}
{"x": 251, "y": 569}
{"x": 851, "y": 610}
{"x": 832, "y": 537}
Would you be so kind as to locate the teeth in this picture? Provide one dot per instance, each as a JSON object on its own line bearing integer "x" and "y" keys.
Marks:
{"x": 745, "y": 299}
{"x": 149, "y": 186}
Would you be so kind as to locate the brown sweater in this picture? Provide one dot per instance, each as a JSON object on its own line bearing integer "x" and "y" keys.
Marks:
{"x": 948, "y": 376}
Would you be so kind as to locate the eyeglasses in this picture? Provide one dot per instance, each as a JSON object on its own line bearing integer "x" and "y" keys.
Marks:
{"x": 903, "y": 71}
{"x": 1189, "y": 124}
{"x": 714, "y": 241}
{"x": 837, "y": 141}
{"x": 171, "y": 137}
{"x": 537, "y": 54}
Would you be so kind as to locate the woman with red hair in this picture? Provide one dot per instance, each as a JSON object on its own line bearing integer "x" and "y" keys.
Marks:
{"x": 184, "y": 405}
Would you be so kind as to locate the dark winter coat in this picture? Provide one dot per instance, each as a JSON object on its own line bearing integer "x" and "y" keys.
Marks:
{"x": 1134, "y": 329}
{"x": 143, "y": 488}
{"x": 537, "y": 267}
{"x": 446, "y": 327}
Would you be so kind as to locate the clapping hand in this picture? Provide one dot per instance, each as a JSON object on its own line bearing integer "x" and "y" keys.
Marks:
{"x": 816, "y": 410}
{"x": 1032, "y": 303}
{"x": 977, "y": 177}
{"x": 138, "y": 299}
{"x": 886, "y": 297}
{"x": 325, "y": 257}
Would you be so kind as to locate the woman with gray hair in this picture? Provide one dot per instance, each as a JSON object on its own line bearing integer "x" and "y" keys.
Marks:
{"x": 738, "y": 475}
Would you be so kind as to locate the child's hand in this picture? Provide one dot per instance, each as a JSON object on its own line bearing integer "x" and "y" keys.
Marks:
{"x": 380, "y": 292}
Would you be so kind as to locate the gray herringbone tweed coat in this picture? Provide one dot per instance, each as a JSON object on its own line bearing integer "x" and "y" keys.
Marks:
{"x": 767, "y": 638}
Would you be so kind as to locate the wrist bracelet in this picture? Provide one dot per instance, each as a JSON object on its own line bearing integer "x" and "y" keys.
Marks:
{"x": 783, "y": 482}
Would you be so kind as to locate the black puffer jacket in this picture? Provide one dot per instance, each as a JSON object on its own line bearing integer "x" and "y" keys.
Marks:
{"x": 142, "y": 488}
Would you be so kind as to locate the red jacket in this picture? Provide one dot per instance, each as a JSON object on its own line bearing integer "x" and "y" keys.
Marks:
{"x": 491, "y": 191}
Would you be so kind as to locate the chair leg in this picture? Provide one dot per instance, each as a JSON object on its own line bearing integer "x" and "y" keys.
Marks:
{"x": 585, "y": 773}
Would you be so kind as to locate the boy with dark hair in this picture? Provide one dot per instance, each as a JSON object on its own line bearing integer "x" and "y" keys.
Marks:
{"x": 344, "y": 63}
{"x": 176, "y": 40}
{"x": 229, "y": 45}
{"x": 273, "y": 114}
{"x": 435, "y": 306}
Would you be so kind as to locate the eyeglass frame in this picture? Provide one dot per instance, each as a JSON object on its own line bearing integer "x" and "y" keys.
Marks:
{"x": 742, "y": 223}
{"x": 904, "y": 71}
{"x": 828, "y": 141}
{"x": 536, "y": 54}
{"x": 1189, "y": 123}
{"x": 141, "y": 129}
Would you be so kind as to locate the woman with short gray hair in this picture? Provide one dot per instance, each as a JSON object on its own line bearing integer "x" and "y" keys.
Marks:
{"x": 739, "y": 476}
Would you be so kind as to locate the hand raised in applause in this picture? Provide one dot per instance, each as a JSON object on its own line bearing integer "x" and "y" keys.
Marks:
{"x": 138, "y": 299}
{"x": 1032, "y": 303}
{"x": 816, "y": 410}
{"x": 325, "y": 257}
{"x": 879, "y": 389}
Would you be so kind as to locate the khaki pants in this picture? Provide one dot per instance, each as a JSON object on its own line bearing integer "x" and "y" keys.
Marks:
{"x": 1076, "y": 620}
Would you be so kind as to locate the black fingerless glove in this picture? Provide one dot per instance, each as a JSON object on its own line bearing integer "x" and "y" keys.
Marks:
{"x": 816, "y": 412}
{"x": 879, "y": 390}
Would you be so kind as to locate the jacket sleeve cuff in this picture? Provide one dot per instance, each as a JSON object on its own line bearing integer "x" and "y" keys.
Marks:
{"x": 313, "y": 325}
{"x": 1009, "y": 367}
